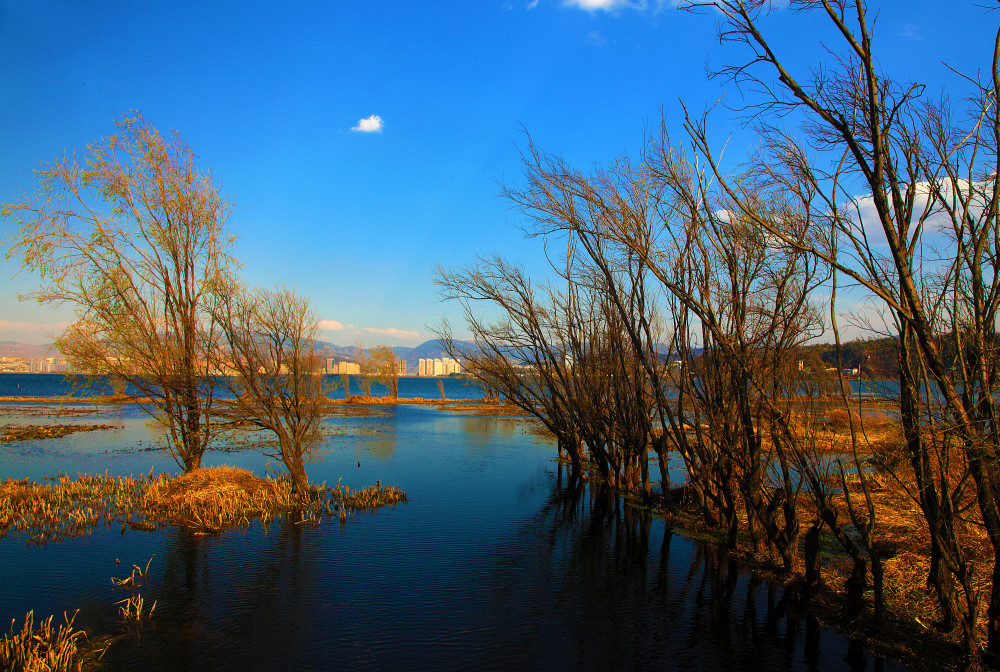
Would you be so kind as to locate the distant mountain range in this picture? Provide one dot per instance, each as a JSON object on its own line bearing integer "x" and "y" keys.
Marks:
{"x": 12, "y": 349}
{"x": 431, "y": 349}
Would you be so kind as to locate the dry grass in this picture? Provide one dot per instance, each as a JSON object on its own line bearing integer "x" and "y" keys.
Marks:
{"x": 42, "y": 649}
{"x": 32, "y": 432}
{"x": 132, "y": 612}
{"x": 206, "y": 500}
{"x": 491, "y": 409}
{"x": 903, "y": 539}
{"x": 901, "y": 536}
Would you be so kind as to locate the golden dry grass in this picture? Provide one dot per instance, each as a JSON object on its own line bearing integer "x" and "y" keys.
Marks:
{"x": 482, "y": 408}
{"x": 46, "y": 648}
{"x": 901, "y": 536}
{"x": 206, "y": 500}
{"x": 12, "y": 433}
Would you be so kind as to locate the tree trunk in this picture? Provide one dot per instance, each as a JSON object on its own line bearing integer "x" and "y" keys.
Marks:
{"x": 855, "y": 586}
{"x": 813, "y": 577}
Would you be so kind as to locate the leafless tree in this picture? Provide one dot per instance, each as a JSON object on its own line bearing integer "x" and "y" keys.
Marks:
{"x": 864, "y": 132}
{"x": 386, "y": 368}
{"x": 520, "y": 355}
{"x": 273, "y": 372}
{"x": 366, "y": 370}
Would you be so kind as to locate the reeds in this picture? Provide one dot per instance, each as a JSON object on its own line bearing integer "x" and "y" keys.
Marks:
{"x": 133, "y": 612}
{"x": 49, "y": 648}
{"x": 42, "y": 649}
{"x": 206, "y": 500}
{"x": 134, "y": 580}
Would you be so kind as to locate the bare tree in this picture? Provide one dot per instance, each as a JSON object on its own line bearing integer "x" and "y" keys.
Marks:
{"x": 521, "y": 355}
{"x": 864, "y": 132}
{"x": 386, "y": 367}
{"x": 366, "y": 371}
{"x": 273, "y": 372}
{"x": 133, "y": 238}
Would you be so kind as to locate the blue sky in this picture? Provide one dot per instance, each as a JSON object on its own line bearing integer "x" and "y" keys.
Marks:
{"x": 267, "y": 94}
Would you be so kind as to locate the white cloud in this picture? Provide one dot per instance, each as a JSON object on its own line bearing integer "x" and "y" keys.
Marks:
{"x": 34, "y": 333}
{"x": 392, "y": 333}
{"x": 351, "y": 332}
{"x": 595, "y": 38}
{"x": 612, "y": 5}
{"x": 372, "y": 124}
{"x": 593, "y": 5}
{"x": 33, "y": 327}
{"x": 532, "y": 4}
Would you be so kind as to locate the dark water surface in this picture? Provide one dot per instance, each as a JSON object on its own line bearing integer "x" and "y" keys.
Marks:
{"x": 493, "y": 564}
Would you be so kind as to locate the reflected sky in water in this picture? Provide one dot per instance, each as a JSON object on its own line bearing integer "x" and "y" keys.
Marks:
{"x": 497, "y": 561}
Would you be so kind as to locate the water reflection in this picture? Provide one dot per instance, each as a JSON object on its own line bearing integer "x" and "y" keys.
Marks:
{"x": 500, "y": 560}
{"x": 617, "y": 589}
{"x": 483, "y": 426}
{"x": 236, "y": 602}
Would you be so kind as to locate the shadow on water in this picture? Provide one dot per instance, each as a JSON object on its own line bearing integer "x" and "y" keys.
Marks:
{"x": 617, "y": 589}
{"x": 499, "y": 561}
{"x": 224, "y": 605}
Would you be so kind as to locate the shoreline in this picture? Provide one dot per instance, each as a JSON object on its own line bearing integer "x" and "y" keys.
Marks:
{"x": 358, "y": 400}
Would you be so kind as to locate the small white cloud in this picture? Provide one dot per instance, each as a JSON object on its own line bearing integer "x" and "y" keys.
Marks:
{"x": 613, "y": 5}
{"x": 593, "y": 5}
{"x": 911, "y": 31}
{"x": 372, "y": 124}
{"x": 532, "y": 4}
{"x": 596, "y": 39}
{"x": 330, "y": 325}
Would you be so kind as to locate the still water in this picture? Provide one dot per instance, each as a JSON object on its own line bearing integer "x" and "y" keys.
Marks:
{"x": 58, "y": 385}
{"x": 494, "y": 563}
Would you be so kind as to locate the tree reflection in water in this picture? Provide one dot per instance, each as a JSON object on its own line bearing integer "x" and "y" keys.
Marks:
{"x": 580, "y": 580}
{"x": 588, "y": 568}
{"x": 223, "y": 604}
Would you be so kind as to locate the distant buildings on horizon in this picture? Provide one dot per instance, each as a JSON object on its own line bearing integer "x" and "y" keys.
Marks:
{"x": 36, "y": 365}
{"x": 444, "y": 366}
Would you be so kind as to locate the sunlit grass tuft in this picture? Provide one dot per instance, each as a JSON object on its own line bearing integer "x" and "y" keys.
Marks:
{"x": 42, "y": 649}
{"x": 133, "y": 611}
{"x": 134, "y": 580}
{"x": 206, "y": 500}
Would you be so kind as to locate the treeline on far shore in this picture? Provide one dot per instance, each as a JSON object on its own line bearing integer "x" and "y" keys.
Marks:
{"x": 876, "y": 357}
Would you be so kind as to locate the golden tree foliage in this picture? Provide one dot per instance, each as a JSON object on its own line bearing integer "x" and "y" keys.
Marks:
{"x": 383, "y": 361}
{"x": 134, "y": 239}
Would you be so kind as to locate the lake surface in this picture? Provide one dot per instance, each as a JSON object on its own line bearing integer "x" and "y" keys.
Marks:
{"x": 58, "y": 385}
{"x": 494, "y": 563}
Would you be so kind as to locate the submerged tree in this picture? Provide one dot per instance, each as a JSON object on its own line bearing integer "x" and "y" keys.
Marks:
{"x": 931, "y": 184}
{"x": 133, "y": 238}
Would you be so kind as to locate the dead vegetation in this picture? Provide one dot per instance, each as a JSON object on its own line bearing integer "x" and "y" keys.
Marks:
{"x": 206, "y": 500}
{"x": 12, "y": 433}
{"x": 42, "y": 649}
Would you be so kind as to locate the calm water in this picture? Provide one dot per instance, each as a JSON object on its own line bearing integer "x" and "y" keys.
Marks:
{"x": 57, "y": 385}
{"x": 494, "y": 563}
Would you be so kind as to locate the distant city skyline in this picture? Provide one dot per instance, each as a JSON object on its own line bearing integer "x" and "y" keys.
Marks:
{"x": 361, "y": 144}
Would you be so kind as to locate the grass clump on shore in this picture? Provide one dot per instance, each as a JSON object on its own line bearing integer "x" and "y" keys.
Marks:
{"x": 206, "y": 500}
